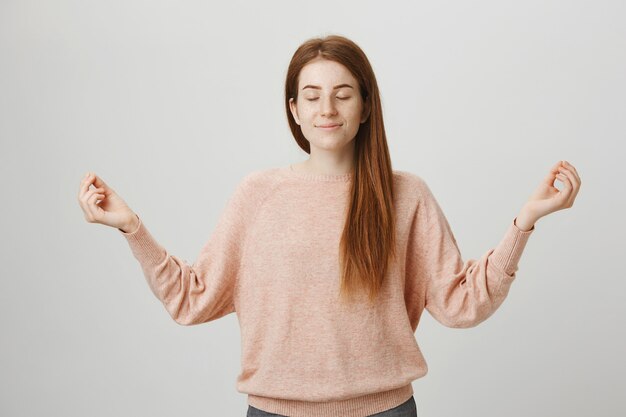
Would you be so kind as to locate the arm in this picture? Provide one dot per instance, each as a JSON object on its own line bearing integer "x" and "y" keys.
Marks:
{"x": 461, "y": 293}
{"x": 203, "y": 291}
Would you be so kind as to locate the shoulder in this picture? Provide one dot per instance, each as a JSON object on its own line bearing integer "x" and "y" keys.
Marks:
{"x": 412, "y": 183}
{"x": 261, "y": 178}
{"x": 256, "y": 185}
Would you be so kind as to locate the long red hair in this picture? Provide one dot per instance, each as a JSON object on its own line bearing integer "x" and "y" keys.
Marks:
{"x": 368, "y": 239}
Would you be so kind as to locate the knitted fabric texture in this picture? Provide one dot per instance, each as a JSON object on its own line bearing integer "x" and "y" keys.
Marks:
{"x": 273, "y": 260}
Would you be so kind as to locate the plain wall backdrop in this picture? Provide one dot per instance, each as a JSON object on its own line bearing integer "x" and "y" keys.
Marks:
{"x": 173, "y": 102}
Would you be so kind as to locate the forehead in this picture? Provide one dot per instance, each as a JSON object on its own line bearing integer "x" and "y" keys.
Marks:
{"x": 326, "y": 74}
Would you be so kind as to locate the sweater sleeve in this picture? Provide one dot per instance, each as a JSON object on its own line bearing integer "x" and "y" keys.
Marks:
{"x": 461, "y": 293}
{"x": 203, "y": 291}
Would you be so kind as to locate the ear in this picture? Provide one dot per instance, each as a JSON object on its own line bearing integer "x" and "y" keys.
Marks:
{"x": 366, "y": 111}
{"x": 294, "y": 110}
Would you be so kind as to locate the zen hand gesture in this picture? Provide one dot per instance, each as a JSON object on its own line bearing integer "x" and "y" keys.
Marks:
{"x": 547, "y": 199}
{"x": 103, "y": 205}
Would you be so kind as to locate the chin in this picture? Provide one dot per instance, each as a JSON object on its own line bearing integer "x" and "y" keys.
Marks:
{"x": 330, "y": 144}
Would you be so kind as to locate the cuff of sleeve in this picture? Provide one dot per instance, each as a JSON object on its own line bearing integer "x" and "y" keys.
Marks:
{"x": 508, "y": 253}
{"x": 143, "y": 245}
{"x": 130, "y": 233}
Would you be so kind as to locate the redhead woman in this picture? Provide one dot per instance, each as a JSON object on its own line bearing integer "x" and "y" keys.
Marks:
{"x": 329, "y": 263}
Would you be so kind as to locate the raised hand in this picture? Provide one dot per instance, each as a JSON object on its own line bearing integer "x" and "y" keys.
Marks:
{"x": 547, "y": 198}
{"x": 103, "y": 205}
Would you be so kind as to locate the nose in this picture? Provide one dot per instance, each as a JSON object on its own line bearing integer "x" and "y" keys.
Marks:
{"x": 328, "y": 107}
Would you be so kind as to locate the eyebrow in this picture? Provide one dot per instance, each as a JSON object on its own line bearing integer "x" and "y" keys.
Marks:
{"x": 317, "y": 87}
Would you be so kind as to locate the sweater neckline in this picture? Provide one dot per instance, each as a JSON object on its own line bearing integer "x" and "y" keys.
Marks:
{"x": 290, "y": 172}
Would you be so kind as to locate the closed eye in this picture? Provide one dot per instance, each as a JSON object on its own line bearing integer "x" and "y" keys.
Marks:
{"x": 340, "y": 98}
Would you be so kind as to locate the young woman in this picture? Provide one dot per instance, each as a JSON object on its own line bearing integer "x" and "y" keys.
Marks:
{"x": 329, "y": 263}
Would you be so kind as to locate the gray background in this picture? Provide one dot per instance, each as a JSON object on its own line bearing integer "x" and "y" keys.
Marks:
{"x": 172, "y": 103}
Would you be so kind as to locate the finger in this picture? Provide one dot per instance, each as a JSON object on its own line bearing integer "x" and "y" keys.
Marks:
{"x": 85, "y": 204}
{"x": 98, "y": 182}
{"x": 91, "y": 203}
{"x": 92, "y": 178}
{"x": 569, "y": 174}
{"x": 83, "y": 186}
{"x": 573, "y": 169}
{"x": 83, "y": 195}
{"x": 565, "y": 191}
{"x": 574, "y": 181}
{"x": 97, "y": 199}
{"x": 85, "y": 183}
{"x": 86, "y": 199}
{"x": 576, "y": 186}
{"x": 549, "y": 178}
{"x": 97, "y": 190}
{"x": 567, "y": 188}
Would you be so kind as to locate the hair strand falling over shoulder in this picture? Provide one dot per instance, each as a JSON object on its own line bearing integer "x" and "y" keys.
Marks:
{"x": 368, "y": 239}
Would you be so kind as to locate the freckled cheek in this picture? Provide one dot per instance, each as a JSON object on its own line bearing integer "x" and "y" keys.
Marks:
{"x": 354, "y": 119}
{"x": 307, "y": 114}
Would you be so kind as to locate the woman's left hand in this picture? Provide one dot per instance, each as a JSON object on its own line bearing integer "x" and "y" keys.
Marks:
{"x": 547, "y": 199}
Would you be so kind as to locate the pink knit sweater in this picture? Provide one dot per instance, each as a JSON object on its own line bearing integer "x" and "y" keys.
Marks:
{"x": 273, "y": 260}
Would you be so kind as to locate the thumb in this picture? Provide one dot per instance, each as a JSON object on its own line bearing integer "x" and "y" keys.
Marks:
{"x": 99, "y": 183}
{"x": 549, "y": 178}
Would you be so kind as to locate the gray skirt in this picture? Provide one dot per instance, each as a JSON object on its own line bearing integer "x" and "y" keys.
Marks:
{"x": 406, "y": 409}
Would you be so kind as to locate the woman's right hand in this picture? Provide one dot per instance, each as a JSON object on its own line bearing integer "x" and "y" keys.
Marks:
{"x": 103, "y": 205}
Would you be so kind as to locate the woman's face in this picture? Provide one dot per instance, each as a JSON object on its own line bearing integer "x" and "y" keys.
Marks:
{"x": 328, "y": 94}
